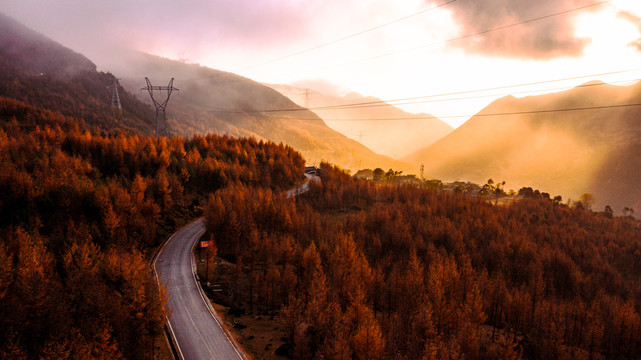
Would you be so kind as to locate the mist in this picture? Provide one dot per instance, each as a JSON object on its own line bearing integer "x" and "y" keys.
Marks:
{"x": 562, "y": 153}
{"x": 383, "y": 128}
{"x": 201, "y": 29}
{"x": 519, "y": 153}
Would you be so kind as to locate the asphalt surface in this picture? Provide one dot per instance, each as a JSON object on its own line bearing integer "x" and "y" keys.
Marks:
{"x": 194, "y": 324}
{"x": 304, "y": 187}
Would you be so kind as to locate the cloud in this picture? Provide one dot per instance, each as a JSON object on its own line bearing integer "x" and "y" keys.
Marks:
{"x": 191, "y": 28}
{"x": 541, "y": 40}
{"x": 634, "y": 19}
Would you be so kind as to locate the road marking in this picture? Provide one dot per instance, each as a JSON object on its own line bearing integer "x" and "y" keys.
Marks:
{"x": 195, "y": 230}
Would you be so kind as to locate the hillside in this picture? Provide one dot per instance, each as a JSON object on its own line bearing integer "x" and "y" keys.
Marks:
{"x": 561, "y": 152}
{"x": 373, "y": 124}
{"x": 43, "y": 73}
{"x": 81, "y": 213}
{"x": 220, "y": 102}
{"x": 356, "y": 270}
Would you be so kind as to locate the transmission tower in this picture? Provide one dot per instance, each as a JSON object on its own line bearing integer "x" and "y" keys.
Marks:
{"x": 115, "y": 98}
{"x": 307, "y": 93}
{"x": 161, "y": 108}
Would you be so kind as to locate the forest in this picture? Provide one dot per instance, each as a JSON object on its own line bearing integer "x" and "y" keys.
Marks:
{"x": 83, "y": 209}
{"x": 352, "y": 269}
{"x": 357, "y": 270}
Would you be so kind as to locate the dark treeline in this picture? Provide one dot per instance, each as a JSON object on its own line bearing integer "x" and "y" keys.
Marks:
{"x": 80, "y": 213}
{"x": 363, "y": 271}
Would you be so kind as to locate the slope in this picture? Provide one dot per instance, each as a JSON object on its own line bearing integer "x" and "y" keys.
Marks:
{"x": 220, "y": 102}
{"x": 562, "y": 152}
{"x": 43, "y": 73}
{"x": 374, "y": 123}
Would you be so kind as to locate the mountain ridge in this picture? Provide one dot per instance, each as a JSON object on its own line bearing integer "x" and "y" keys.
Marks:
{"x": 376, "y": 124}
{"x": 545, "y": 141}
{"x": 43, "y": 73}
{"x": 228, "y": 103}
{"x": 30, "y": 52}
{"x": 208, "y": 101}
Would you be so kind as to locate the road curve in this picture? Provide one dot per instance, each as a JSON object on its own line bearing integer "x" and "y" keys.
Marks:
{"x": 304, "y": 187}
{"x": 192, "y": 321}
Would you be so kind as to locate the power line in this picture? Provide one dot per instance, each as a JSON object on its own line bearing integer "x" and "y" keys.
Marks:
{"x": 347, "y": 37}
{"x": 391, "y": 102}
{"x": 546, "y": 111}
{"x": 397, "y": 101}
{"x": 329, "y": 42}
{"x": 462, "y": 37}
{"x": 493, "y": 95}
{"x": 394, "y": 102}
{"x": 418, "y": 117}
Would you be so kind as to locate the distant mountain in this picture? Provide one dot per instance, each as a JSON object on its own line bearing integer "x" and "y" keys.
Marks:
{"x": 568, "y": 152}
{"x": 43, "y": 73}
{"x": 224, "y": 103}
{"x": 380, "y": 126}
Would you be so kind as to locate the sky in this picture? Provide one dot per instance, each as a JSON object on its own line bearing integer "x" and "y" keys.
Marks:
{"x": 431, "y": 55}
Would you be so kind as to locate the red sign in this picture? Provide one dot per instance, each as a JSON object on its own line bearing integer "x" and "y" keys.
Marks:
{"x": 204, "y": 244}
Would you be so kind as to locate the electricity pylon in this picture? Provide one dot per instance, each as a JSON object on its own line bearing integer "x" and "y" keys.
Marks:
{"x": 161, "y": 108}
{"x": 115, "y": 98}
{"x": 307, "y": 93}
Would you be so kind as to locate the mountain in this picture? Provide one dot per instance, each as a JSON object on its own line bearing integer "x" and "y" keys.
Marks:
{"x": 43, "y": 73}
{"x": 551, "y": 142}
{"x": 220, "y": 102}
{"x": 372, "y": 121}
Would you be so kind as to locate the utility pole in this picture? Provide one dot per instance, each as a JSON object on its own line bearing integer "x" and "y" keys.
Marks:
{"x": 207, "y": 245}
{"x": 161, "y": 108}
{"x": 207, "y": 267}
{"x": 115, "y": 98}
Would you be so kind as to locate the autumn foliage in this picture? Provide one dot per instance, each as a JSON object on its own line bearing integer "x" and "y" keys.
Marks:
{"x": 356, "y": 270}
{"x": 353, "y": 270}
{"x": 81, "y": 212}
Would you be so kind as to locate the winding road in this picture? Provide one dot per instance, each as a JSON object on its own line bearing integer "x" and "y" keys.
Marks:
{"x": 304, "y": 187}
{"x": 193, "y": 323}
{"x": 194, "y": 326}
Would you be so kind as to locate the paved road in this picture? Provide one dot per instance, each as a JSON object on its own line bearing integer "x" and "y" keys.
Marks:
{"x": 193, "y": 322}
{"x": 195, "y": 325}
{"x": 303, "y": 188}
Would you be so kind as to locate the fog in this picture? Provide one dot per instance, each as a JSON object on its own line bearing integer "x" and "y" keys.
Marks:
{"x": 519, "y": 152}
{"x": 562, "y": 153}
{"x": 559, "y": 154}
{"x": 192, "y": 30}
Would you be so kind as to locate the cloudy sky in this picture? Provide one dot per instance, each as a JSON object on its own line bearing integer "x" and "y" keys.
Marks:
{"x": 431, "y": 52}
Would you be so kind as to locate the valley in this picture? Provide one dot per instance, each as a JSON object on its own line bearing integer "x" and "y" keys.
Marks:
{"x": 511, "y": 236}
